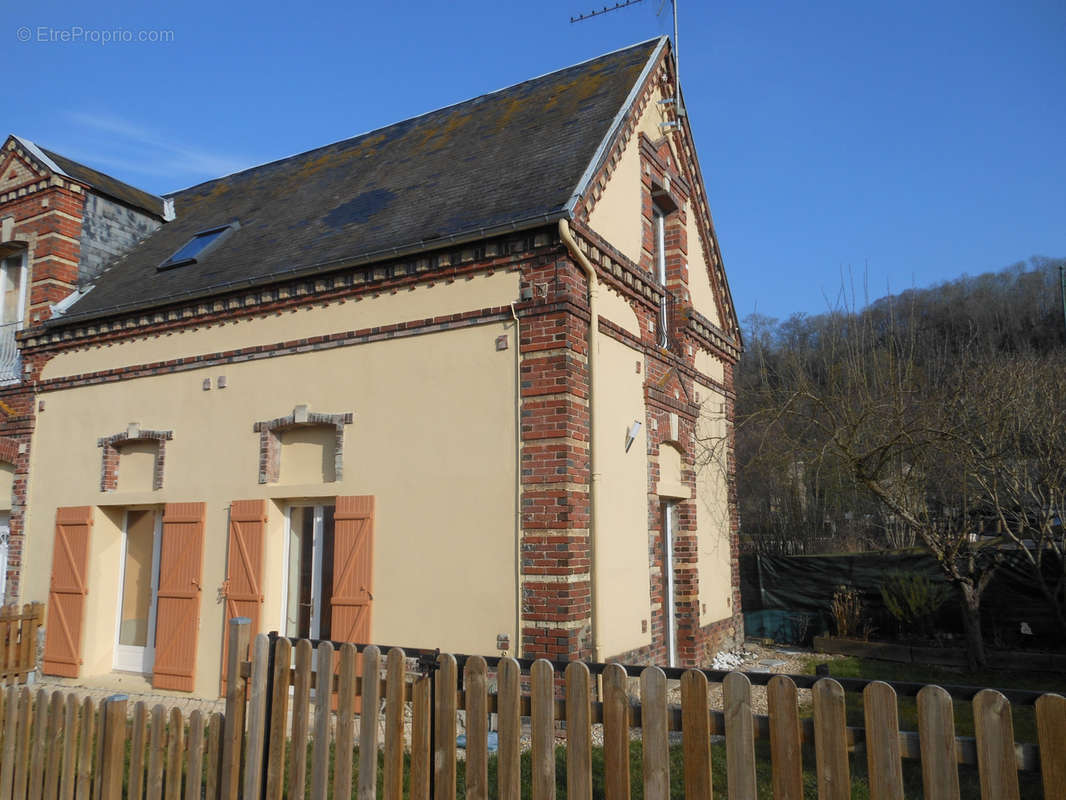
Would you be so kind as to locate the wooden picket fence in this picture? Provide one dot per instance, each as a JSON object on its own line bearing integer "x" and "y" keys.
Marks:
{"x": 276, "y": 739}
{"x": 18, "y": 641}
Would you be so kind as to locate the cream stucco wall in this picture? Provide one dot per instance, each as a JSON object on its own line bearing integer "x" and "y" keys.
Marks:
{"x": 611, "y": 305}
{"x": 432, "y": 440}
{"x": 416, "y": 303}
{"x": 710, "y": 366}
{"x": 699, "y": 279}
{"x": 712, "y": 510}
{"x": 616, "y": 215}
{"x": 621, "y": 558}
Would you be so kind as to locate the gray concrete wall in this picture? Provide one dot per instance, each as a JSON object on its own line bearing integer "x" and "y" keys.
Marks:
{"x": 109, "y": 230}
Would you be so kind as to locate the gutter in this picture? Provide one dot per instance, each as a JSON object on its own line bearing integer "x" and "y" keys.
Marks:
{"x": 594, "y": 476}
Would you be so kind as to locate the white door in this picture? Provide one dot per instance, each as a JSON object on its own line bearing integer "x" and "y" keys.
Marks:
{"x": 309, "y": 577}
{"x": 138, "y": 591}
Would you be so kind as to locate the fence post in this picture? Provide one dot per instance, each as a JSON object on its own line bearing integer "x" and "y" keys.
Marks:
{"x": 113, "y": 747}
{"x": 268, "y": 719}
{"x": 229, "y": 785}
{"x": 257, "y": 710}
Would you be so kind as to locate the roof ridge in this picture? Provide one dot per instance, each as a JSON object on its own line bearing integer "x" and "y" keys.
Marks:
{"x": 660, "y": 39}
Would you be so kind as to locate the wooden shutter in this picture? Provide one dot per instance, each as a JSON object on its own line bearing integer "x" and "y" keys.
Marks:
{"x": 178, "y": 604}
{"x": 244, "y": 568}
{"x": 353, "y": 569}
{"x": 67, "y": 590}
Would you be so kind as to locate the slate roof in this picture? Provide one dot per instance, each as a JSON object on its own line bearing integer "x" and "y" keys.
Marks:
{"x": 106, "y": 185}
{"x": 507, "y": 160}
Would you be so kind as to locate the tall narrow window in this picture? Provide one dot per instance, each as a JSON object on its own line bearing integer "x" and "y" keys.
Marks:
{"x": 12, "y": 300}
{"x": 310, "y": 572}
{"x": 138, "y": 591}
{"x": 669, "y": 515}
{"x": 11, "y": 282}
{"x": 659, "y": 218}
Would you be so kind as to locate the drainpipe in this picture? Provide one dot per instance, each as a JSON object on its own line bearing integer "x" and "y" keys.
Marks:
{"x": 594, "y": 475}
{"x": 517, "y": 484}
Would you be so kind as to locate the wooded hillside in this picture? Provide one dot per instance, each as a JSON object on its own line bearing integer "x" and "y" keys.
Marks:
{"x": 936, "y": 417}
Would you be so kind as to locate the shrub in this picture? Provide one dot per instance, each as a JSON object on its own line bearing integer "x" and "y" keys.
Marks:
{"x": 849, "y": 613}
{"x": 913, "y": 600}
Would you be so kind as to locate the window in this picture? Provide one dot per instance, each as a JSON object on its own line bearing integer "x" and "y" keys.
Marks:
{"x": 198, "y": 246}
{"x": 659, "y": 219}
{"x": 309, "y": 577}
{"x": 138, "y": 591}
{"x": 12, "y": 301}
{"x": 11, "y": 289}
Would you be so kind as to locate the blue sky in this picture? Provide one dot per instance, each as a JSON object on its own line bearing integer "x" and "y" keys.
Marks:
{"x": 880, "y": 144}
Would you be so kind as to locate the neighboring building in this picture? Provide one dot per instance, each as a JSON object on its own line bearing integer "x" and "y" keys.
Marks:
{"x": 350, "y": 393}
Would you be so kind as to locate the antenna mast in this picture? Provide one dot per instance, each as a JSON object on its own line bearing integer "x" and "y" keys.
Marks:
{"x": 679, "y": 111}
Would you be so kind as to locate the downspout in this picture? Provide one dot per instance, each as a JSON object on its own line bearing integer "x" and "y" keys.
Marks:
{"x": 517, "y": 485}
{"x": 594, "y": 476}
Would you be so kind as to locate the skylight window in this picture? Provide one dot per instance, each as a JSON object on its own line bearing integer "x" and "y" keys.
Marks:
{"x": 196, "y": 248}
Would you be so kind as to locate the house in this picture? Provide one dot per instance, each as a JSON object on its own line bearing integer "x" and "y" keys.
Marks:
{"x": 351, "y": 394}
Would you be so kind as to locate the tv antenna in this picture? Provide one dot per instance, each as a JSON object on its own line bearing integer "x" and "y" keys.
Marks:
{"x": 675, "y": 101}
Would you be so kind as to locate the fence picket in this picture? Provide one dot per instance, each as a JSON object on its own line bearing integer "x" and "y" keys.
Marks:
{"x": 445, "y": 704}
{"x": 345, "y": 742}
{"x": 70, "y": 744}
{"x": 786, "y": 752}
{"x": 279, "y": 720}
{"x": 194, "y": 767}
{"x": 98, "y": 749}
{"x": 175, "y": 752}
{"x": 654, "y": 731}
{"x": 254, "y": 742}
{"x": 995, "y": 746}
{"x": 11, "y": 650}
{"x": 238, "y": 631}
{"x": 28, "y": 638}
{"x": 739, "y": 737}
{"x": 323, "y": 705}
{"x": 83, "y": 784}
{"x": 936, "y": 731}
{"x": 301, "y": 698}
{"x": 138, "y": 735}
{"x": 394, "y": 713}
{"x": 542, "y": 721}
{"x": 113, "y": 747}
{"x": 214, "y": 756}
{"x": 882, "y": 741}
{"x": 696, "y": 735}
{"x": 38, "y": 746}
{"x": 475, "y": 682}
{"x": 370, "y": 700}
{"x": 421, "y": 702}
{"x": 22, "y": 744}
{"x": 1051, "y": 731}
{"x": 157, "y": 747}
{"x": 56, "y": 733}
{"x": 7, "y": 757}
{"x": 830, "y": 741}
{"x": 615, "y": 733}
{"x": 578, "y": 732}
{"x": 508, "y": 714}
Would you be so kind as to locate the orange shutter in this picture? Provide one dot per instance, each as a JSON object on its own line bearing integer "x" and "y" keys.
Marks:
{"x": 353, "y": 569}
{"x": 66, "y": 594}
{"x": 178, "y": 604}
{"x": 244, "y": 568}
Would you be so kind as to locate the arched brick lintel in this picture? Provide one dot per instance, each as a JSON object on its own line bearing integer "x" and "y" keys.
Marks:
{"x": 112, "y": 447}
{"x": 270, "y": 439}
